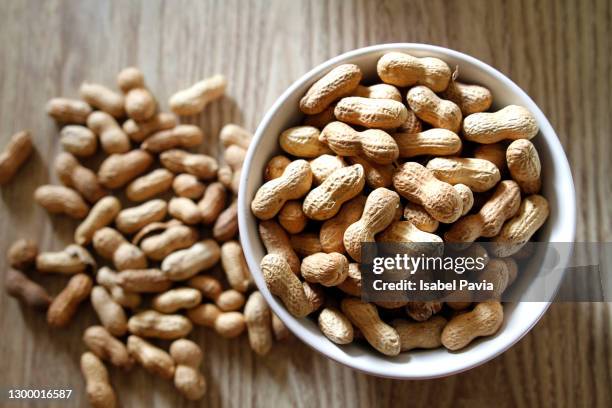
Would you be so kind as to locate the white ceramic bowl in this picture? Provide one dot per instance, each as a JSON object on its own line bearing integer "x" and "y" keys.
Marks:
{"x": 558, "y": 188}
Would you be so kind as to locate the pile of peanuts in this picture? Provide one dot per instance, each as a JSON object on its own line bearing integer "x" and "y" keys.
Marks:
{"x": 414, "y": 158}
{"x": 158, "y": 253}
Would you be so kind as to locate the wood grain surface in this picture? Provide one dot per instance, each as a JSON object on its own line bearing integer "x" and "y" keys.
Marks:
{"x": 557, "y": 51}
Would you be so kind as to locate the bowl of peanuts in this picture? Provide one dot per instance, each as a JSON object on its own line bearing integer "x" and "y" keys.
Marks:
{"x": 400, "y": 143}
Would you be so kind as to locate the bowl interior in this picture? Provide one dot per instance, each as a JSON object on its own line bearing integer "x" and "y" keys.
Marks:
{"x": 558, "y": 188}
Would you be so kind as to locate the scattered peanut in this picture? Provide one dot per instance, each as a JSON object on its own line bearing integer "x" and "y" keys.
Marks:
{"x": 184, "y": 264}
{"x": 105, "y": 346}
{"x": 153, "y": 359}
{"x": 228, "y": 178}
{"x": 22, "y": 254}
{"x": 103, "y": 98}
{"x": 235, "y": 266}
{"x": 176, "y": 299}
{"x": 230, "y": 300}
{"x": 258, "y": 319}
{"x": 209, "y": 286}
{"x": 73, "y": 259}
{"x": 66, "y": 110}
{"x": 28, "y": 292}
{"x": 194, "y": 99}
{"x": 112, "y": 137}
{"x": 133, "y": 219}
{"x": 99, "y": 390}
{"x": 119, "y": 169}
{"x": 79, "y": 140}
{"x": 110, "y": 244}
{"x": 232, "y": 134}
{"x": 212, "y": 203}
{"x": 14, "y": 155}
{"x": 187, "y": 378}
{"x": 72, "y": 174}
{"x": 179, "y": 161}
{"x": 111, "y": 314}
{"x": 184, "y": 210}
{"x": 153, "y": 228}
{"x": 109, "y": 279}
{"x": 228, "y": 325}
{"x": 279, "y": 329}
{"x": 150, "y": 323}
{"x": 145, "y": 187}
{"x": 159, "y": 246}
{"x": 61, "y": 200}
{"x": 140, "y": 104}
{"x": 65, "y": 304}
{"x": 143, "y": 281}
{"x": 139, "y": 131}
{"x": 181, "y": 136}
{"x": 226, "y": 226}
{"x": 188, "y": 185}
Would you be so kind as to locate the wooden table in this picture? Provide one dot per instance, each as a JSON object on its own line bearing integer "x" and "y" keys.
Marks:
{"x": 559, "y": 52}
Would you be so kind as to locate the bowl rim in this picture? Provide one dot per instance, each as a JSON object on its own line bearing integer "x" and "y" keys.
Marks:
{"x": 549, "y": 135}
